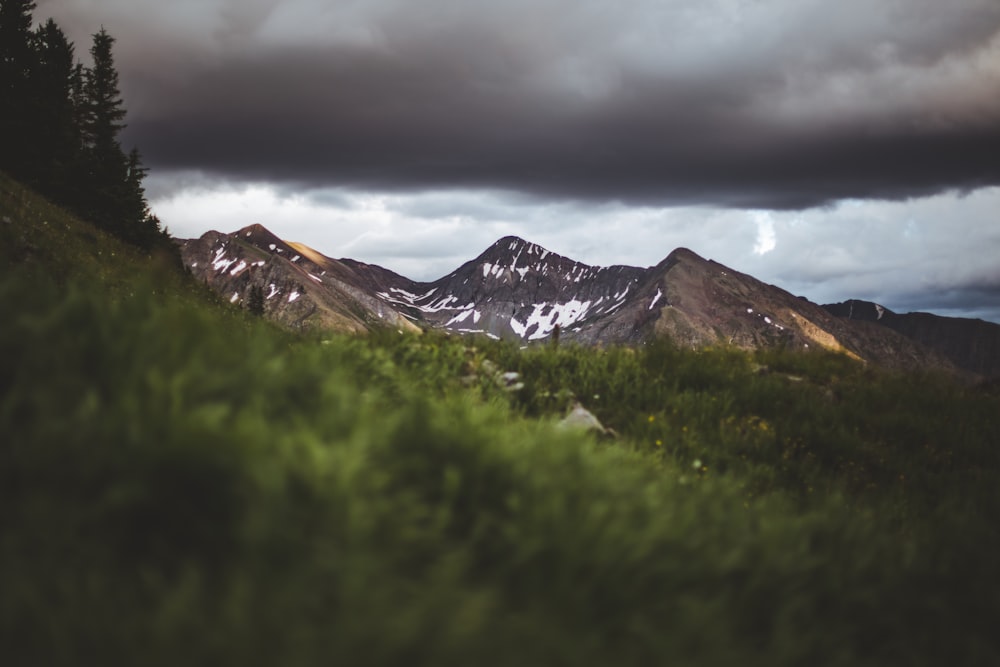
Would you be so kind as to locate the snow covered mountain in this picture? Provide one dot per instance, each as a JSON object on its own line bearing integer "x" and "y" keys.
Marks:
{"x": 520, "y": 291}
{"x": 516, "y": 289}
{"x": 301, "y": 288}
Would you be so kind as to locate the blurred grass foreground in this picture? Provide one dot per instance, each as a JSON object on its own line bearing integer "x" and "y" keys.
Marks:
{"x": 184, "y": 484}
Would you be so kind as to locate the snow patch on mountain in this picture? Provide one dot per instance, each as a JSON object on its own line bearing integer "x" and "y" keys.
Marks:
{"x": 220, "y": 262}
{"x": 461, "y": 317}
{"x": 659, "y": 293}
{"x": 544, "y": 318}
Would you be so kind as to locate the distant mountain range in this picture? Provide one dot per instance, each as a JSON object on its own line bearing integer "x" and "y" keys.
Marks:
{"x": 518, "y": 290}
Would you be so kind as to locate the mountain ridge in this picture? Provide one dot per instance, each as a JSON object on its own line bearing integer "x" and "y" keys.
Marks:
{"x": 971, "y": 344}
{"x": 521, "y": 291}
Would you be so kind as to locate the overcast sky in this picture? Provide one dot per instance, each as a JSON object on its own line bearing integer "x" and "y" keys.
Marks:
{"x": 836, "y": 149}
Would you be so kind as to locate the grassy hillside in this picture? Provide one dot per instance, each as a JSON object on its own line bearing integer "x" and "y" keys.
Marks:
{"x": 183, "y": 484}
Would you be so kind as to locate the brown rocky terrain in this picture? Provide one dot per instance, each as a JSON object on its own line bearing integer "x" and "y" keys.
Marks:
{"x": 972, "y": 345}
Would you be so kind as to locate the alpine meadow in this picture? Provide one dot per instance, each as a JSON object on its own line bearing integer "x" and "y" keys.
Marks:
{"x": 186, "y": 481}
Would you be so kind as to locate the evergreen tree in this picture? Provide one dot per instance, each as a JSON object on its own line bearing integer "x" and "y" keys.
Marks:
{"x": 116, "y": 200}
{"x": 78, "y": 103}
{"x": 255, "y": 299}
{"x": 140, "y": 225}
{"x": 103, "y": 116}
{"x": 54, "y": 161}
{"x": 60, "y": 124}
{"x": 105, "y": 109}
{"x": 17, "y": 62}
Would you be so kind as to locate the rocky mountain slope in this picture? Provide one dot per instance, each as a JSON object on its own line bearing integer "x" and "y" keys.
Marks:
{"x": 300, "y": 287}
{"x": 521, "y": 291}
{"x": 972, "y": 345}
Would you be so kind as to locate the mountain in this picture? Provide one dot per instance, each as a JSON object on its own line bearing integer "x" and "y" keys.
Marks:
{"x": 971, "y": 344}
{"x": 520, "y": 291}
{"x": 301, "y": 287}
{"x": 516, "y": 289}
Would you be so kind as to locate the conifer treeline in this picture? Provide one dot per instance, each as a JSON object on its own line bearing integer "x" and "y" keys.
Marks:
{"x": 60, "y": 123}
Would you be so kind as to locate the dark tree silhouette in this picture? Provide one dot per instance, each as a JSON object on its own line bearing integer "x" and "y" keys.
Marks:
{"x": 60, "y": 124}
{"x": 116, "y": 199}
{"x": 255, "y": 299}
{"x": 17, "y": 63}
{"x": 54, "y": 162}
{"x": 102, "y": 118}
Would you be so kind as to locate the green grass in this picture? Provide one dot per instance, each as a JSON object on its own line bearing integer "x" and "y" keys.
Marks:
{"x": 181, "y": 483}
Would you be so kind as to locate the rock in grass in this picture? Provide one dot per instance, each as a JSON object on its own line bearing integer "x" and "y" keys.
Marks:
{"x": 511, "y": 381}
{"x": 581, "y": 419}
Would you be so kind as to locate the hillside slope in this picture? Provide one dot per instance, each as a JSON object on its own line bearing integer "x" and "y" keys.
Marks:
{"x": 37, "y": 236}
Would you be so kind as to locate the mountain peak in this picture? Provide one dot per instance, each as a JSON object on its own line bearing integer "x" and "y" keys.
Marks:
{"x": 685, "y": 254}
{"x": 682, "y": 256}
{"x": 511, "y": 250}
{"x": 515, "y": 244}
{"x": 255, "y": 228}
{"x": 510, "y": 239}
{"x": 258, "y": 235}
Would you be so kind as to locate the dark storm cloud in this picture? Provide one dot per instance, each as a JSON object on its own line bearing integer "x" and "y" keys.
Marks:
{"x": 776, "y": 104}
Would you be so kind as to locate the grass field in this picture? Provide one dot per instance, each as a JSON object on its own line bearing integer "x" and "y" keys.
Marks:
{"x": 181, "y": 483}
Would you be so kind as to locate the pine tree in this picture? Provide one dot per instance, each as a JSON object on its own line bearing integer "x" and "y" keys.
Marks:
{"x": 117, "y": 199}
{"x": 60, "y": 124}
{"x": 255, "y": 299}
{"x": 103, "y": 116}
{"x": 17, "y": 62}
{"x": 54, "y": 161}
{"x": 141, "y": 226}
{"x": 106, "y": 111}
